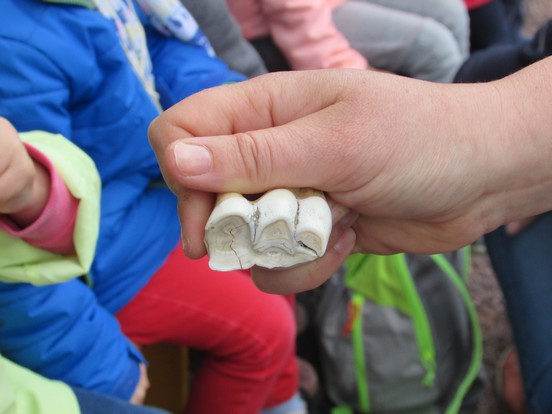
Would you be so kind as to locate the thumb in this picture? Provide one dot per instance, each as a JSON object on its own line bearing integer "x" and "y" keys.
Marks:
{"x": 248, "y": 137}
{"x": 246, "y": 162}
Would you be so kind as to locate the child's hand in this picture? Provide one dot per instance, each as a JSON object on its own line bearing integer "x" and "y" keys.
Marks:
{"x": 516, "y": 227}
{"x": 24, "y": 185}
{"x": 143, "y": 384}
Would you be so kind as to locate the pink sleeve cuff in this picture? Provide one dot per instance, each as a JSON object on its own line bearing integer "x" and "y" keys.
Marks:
{"x": 53, "y": 229}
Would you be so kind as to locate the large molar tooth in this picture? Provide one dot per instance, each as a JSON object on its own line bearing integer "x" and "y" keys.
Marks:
{"x": 276, "y": 225}
{"x": 281, "y": 229}
{"x": 228, "y": 233}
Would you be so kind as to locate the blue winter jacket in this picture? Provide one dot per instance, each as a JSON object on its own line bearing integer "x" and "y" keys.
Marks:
{"x": 63, "y": 70}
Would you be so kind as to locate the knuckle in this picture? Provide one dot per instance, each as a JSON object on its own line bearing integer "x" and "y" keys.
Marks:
{"x": 255, "y": 154}
{"x": 13, "y": 196}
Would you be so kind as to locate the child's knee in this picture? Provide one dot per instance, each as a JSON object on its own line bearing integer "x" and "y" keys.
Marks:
{"x": 268, "y": 343}
{"x": 278, "y": 327}
{"x": 436, "y": 56}
{"x": 453, "y": 14}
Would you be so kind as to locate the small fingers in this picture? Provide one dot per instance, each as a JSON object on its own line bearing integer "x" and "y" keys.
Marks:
{"x": 516, "y": 227}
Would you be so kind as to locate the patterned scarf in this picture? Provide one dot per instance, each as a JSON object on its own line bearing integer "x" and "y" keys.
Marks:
{"x": 170, "y": 17}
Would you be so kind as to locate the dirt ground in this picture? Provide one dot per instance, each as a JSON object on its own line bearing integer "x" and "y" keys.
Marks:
{"x": 538, "y": 12}
{"x": 489, "y": 303}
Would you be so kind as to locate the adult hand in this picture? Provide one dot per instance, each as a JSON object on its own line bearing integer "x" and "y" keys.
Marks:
{"x": 24, "y": 185}
{"x": 420, "y": 167}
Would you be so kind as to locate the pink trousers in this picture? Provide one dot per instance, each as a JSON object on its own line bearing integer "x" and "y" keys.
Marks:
{"x": 248, "y": 336}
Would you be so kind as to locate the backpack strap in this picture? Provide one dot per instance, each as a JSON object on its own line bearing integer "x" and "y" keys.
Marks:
{"x": 341, "y": 409}
{"x": 401, "y": 293}
{"x": 477, "y": 354}
{"x": 467, "y": 265}
{"x": 357, "y": 336}
{"x": 386, "y": 280}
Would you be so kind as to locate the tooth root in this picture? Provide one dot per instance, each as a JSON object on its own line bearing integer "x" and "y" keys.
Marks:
{"x": 280, "y": 229}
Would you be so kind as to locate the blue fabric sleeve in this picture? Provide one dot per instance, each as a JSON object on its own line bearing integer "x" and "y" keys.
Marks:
{"x": 60, "y": 332}
{"x": 63, "y": 72}
{"x": 72, "y": 78}
{"x": 18, "y": 91}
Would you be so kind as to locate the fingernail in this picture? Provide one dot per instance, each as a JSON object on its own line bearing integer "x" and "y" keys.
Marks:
{"x": 510, "y": 229}
{"x": 338, "y": 212}
{"x": 192, "y": 160}
{"x": 349, "y": 219}
{"x": 346, "y": 242}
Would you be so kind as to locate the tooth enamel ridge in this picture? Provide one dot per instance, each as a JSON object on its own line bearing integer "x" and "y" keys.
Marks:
{"x": 282, "y": 228}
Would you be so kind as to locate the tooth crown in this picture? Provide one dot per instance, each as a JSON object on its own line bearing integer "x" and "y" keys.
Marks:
{"x": 280, "y": 229}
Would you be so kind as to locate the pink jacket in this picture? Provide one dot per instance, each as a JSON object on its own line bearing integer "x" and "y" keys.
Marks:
{"x": 302, "y": 29}
{"x": 474, "y": 4}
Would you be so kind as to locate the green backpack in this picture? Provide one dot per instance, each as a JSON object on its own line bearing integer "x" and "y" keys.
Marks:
{"x": 399, "y": 334}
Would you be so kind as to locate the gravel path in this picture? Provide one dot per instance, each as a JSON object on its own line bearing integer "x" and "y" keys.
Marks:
{"x": 489, "y": 303}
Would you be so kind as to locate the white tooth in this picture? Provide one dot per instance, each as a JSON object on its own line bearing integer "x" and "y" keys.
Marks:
{"x": 314, "y": 224}
{"x": 228, "y": 233}
{"x": 280, "y": 229}
{"x": 276, "y": 224}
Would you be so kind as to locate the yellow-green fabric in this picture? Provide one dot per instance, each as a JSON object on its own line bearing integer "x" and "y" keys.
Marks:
{"x": 24, "y": 392}
{"x": 21, "y": 262}
{"x": 84, "y": 3}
